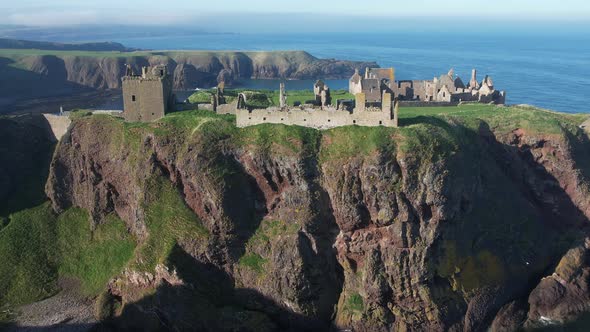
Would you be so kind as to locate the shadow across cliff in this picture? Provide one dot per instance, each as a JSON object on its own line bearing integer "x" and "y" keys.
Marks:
{"x": 241, "y": 200}
{"x": 207, "y": 300}
{"x": 22, "y": 85}
{"x": 61, "y": 327}
{"x": 26, "y": 149}
{"x": 322, "y": 230}
{"x": 516, "y": 211}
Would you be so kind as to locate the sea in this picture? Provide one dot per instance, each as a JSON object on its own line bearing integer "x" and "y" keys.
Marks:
{"x": 544, "y": 69}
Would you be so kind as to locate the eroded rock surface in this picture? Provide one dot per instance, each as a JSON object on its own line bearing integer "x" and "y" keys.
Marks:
{"x": 451, "y": 236}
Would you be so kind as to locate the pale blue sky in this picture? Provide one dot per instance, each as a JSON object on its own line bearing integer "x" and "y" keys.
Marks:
{"x": 64, "y": 12}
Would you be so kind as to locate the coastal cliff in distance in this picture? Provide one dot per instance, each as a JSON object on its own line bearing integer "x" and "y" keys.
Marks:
{"x": 6, "y": 43}
{"x": 191, "y": 69}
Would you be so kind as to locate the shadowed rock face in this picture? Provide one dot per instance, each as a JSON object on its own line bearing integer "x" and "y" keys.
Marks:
{"x": 26, "y": 146}
{"x": 388, "y": 240}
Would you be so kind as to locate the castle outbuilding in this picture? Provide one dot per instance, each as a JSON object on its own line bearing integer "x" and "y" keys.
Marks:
{"x": 448, "y": 88}
{"x": 147, "y": 97}
{"x": 374, "y": 82}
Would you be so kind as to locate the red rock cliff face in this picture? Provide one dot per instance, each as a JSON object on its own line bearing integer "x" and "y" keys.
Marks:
{"x": 446, "y": 236}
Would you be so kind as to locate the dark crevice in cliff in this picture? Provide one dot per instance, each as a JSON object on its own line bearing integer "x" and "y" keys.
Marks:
{"x": 324, "y": 228}
{"x": 580, "y": 152}
{"x": 540, "y": 187}
{"x": 241, "y": 201}
{"x": 555, "y": 209}
{"x": 26, "y": 147}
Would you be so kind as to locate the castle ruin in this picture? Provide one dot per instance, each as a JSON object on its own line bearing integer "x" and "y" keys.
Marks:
{"x": 377, "y": 96}
{"x": 448, "y": 88}
{"x": 445, "y": 89}
{"x": 320, "y": 114}
{"x": 147, "y": 97}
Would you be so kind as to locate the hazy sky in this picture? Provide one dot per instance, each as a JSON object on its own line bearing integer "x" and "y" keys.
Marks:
{"x": 66, "y": 12}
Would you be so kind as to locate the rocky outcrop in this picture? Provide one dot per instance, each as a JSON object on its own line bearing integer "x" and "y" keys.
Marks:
{"x": 438, "y": 227}
{"x": 564, "y": 295}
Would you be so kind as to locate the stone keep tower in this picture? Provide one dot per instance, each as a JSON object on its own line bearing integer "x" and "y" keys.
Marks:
{"x": 147, "y": 97}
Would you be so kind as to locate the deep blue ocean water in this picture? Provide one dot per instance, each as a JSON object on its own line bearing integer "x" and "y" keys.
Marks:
{"x": 548, "y": 70}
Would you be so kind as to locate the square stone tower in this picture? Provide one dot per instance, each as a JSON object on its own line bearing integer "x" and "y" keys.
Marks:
{"x": 147, "y": 97}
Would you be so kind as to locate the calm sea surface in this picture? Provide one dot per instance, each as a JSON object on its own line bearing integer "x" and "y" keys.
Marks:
{"x": 546, "y": 70}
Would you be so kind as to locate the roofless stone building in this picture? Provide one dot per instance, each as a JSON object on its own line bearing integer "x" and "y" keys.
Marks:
{"x": 447, "y": 88}
{"x": 379, "y": 110}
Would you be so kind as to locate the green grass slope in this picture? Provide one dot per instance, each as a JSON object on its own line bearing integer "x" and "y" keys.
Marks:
{"x": 37, "y": 247}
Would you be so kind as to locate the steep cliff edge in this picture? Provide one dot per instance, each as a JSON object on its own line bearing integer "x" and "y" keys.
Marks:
{"x": 26, "y": 148}
{"x": 447, "y": 223}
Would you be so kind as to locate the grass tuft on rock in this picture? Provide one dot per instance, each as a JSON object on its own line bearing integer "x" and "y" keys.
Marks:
{"x": 355, "y": 302}
{"x": 169, "y": 221}
{"x": 254, "y": 262}
{"x": 260, "y": 242}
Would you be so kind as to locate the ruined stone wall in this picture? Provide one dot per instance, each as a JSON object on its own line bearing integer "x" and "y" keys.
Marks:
{"x": 207, "y": 107}
{"x": 315, "y": 118}
{"x": 227, "y": 108}
{"x": 144, "y": 99}
{"x": 464, "y": 96}
{"x": 443, "y": 94}
{"x": 58, "y": 124}
{"x": 403, "y": 89}
{"x": 421, "y": 90}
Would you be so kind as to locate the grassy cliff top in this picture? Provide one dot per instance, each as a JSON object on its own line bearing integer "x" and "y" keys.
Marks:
{"x": 432, "y": 132}
{"x": 266, "y": 98}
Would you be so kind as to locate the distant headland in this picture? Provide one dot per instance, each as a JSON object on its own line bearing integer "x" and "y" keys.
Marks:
{"x": 41, "y": 70}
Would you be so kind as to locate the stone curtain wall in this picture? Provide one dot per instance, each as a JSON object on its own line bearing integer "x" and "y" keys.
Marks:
{"x": 59, "y": 124}
{"x": 314, "y": 118}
